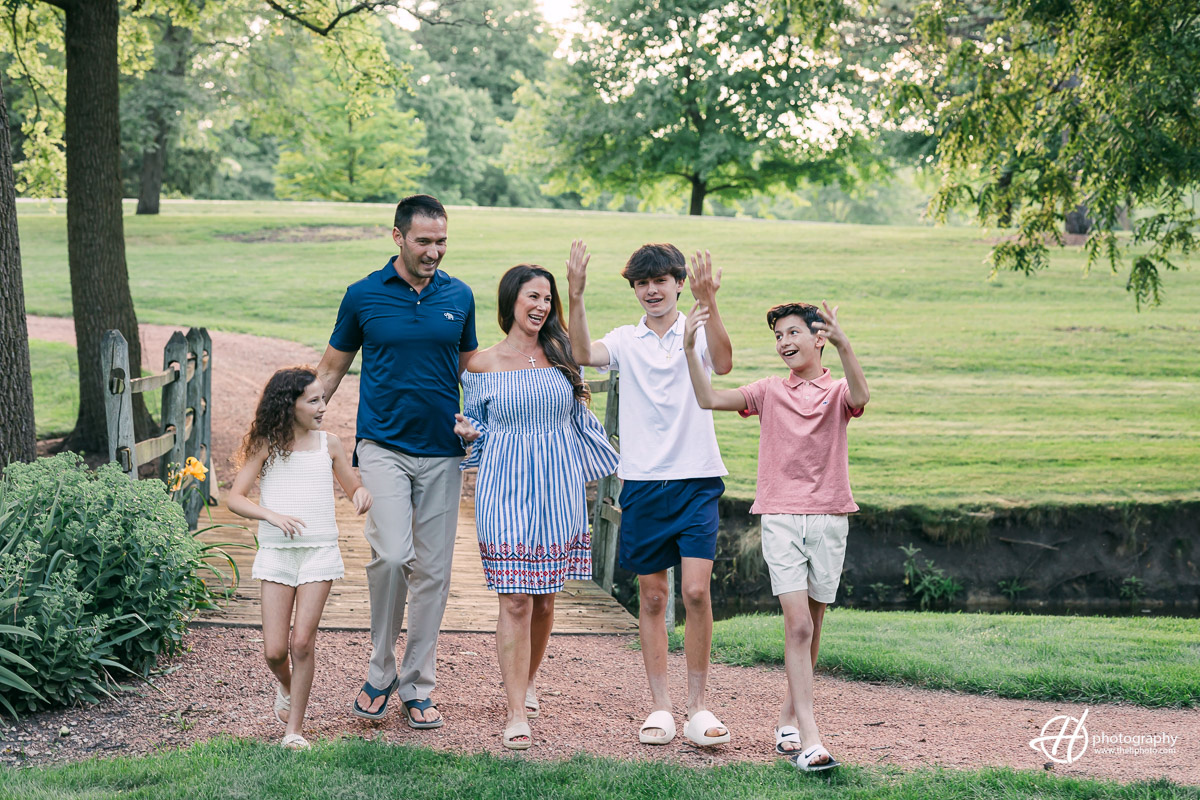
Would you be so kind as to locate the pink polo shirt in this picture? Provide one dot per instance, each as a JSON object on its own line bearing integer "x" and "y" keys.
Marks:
{"x": 803, "y": 466}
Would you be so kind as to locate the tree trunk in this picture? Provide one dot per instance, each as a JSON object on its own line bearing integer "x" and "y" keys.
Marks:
{"x": 100, "y": 297}
{"x": 18, "y": 436}
{"x": 1078, "y": 221}
{"x": 699, "y": 190}
{"x": 172, "y": 59}
{"x": 154, "y": 164}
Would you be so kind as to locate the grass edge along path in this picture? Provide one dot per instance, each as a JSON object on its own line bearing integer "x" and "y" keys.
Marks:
{"x": 1150, "y": 662}
{"x": 230, "y": 768}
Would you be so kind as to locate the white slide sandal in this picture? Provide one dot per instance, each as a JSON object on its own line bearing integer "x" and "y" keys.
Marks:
{"x": 661, "y": 719}
{"x": 804, "y": 760}
{"x": 696, "y": 728}
{"x": 787, "y": 735}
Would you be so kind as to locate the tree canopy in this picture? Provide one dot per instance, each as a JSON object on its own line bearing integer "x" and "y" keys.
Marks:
{"x": 712, "y": 95}
{"x": 1041, "y": 109}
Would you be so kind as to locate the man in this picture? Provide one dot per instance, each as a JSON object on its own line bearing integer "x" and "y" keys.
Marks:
{"x": 670, "y": 465}
{"x": 415, "y": 326}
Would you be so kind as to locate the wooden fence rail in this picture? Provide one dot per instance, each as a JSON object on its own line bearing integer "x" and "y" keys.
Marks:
{"x": 606, "y": 514}
{"x": 186, "y": 383}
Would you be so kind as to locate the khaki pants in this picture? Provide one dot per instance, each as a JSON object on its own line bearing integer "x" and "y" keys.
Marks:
{"x": 410, "y": 528}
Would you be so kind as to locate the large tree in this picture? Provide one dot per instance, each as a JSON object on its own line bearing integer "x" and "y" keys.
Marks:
{"x": 100, "y": 295}
{"x": 1044, "y": 110}
{"x": 153, "y": 105}
{"x": 714, "y": 96}
{"x": 17, "y": 435}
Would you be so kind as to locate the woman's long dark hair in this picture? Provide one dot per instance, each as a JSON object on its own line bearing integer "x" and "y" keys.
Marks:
{"x": 553, "y": 334}
{"x": 272, "y": 426}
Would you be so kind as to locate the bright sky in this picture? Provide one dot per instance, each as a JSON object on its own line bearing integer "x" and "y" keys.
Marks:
{"x": 556, "y": 11}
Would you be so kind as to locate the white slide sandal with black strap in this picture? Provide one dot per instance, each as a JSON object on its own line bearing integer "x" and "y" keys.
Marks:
{"x": 788, "y": 734}
{"x": 804, "y": 760}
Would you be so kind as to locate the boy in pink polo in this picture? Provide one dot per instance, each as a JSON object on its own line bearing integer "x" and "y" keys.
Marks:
{"x": 803, "y": 491}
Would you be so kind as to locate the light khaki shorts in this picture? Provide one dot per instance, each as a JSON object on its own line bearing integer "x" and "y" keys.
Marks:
{"x": 805, "y": 551}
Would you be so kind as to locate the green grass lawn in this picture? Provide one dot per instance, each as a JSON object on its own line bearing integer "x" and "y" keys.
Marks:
{"x": 1047, "y": 389}
{"x": 1149, "y": 662}
{"x": 55, "y": 387}
{"x": 233, "y": 770}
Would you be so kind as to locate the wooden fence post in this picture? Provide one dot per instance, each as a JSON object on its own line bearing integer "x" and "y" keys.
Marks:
{"x": 606, "y": 517}
{"x": 206, "y": 428}
{"x": 192, "y": 501}
{"x": 174, "y": 399}
{"x": 118, "y": 400}
{"x": 186, "y": 382}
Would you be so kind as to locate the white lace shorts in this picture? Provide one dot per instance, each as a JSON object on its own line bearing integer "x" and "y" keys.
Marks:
{"x": 293, "y": 566}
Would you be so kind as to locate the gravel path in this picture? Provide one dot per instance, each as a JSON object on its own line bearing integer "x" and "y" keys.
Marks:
{"x": 593, "y": 699}
{"x": 592, "y": 687}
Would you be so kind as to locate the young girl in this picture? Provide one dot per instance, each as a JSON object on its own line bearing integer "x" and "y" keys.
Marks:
{"x": 298, "y": 557}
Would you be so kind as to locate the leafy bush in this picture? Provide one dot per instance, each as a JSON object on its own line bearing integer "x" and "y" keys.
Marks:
{"x": 98, "y": 578}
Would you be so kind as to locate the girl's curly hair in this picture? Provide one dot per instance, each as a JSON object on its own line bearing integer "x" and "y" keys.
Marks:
{"x": 272, "y": 426}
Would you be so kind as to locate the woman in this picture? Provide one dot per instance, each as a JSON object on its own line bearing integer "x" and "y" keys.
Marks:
{"x": 535, "y": 443}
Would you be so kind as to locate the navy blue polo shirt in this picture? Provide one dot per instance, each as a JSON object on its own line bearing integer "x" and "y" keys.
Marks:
{"x": 410, "y": 341}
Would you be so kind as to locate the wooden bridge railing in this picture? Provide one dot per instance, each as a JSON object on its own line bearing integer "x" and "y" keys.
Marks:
{"x": 606, "y": 514}
{"x": 186, "y": 383}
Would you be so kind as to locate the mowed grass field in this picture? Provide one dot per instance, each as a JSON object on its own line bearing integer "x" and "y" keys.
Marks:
{"x": 345, "y": 768}
{"x": 1014, "y": 391}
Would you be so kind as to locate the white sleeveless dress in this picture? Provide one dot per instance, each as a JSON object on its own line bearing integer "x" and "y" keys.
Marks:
{"x": 299, "y": 485}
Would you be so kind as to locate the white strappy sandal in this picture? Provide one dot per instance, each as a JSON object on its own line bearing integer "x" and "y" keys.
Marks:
{"x": 294, "y": 741}
{"x": 283, "y": 702}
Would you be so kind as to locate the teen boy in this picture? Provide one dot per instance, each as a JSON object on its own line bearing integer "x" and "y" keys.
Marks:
{"x": 670, "y": 464}
{"x": 803, "y": 491}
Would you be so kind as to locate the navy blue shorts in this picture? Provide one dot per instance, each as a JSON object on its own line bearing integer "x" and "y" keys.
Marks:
{"x": 663, "y": 521}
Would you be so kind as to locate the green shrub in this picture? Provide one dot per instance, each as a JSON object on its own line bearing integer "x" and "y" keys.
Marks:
{"x": 928, "y": 583}
{"x": 98, "y": 573}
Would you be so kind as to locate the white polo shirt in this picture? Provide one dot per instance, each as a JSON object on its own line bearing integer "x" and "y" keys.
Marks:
{"x": 665, "y": 434}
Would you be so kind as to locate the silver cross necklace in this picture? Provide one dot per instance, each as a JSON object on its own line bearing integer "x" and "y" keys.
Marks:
{"x": 532, "y": 360}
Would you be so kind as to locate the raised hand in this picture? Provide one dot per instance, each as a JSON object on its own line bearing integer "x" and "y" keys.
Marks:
{"x": 695, "y": 321}
{"x": 577, "y": 268}
{"x": 704, "y": 283}
{"x": 464, "y": 429}
{"x": 291, "y": 526}
{"x": 829, "y": 326}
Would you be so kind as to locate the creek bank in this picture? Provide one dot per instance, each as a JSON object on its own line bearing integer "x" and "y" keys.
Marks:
{"x": 1081, "y": 558}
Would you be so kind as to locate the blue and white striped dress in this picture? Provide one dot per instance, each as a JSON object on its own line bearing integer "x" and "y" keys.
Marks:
{"x": 537, "y": 445}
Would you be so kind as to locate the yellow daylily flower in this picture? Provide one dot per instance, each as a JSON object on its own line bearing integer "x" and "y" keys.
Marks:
{"x": 194, "y": 469}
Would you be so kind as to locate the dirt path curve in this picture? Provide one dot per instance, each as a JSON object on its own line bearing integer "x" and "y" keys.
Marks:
{"x": 242, "y": 363}
{"x": 593, "y": 689}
